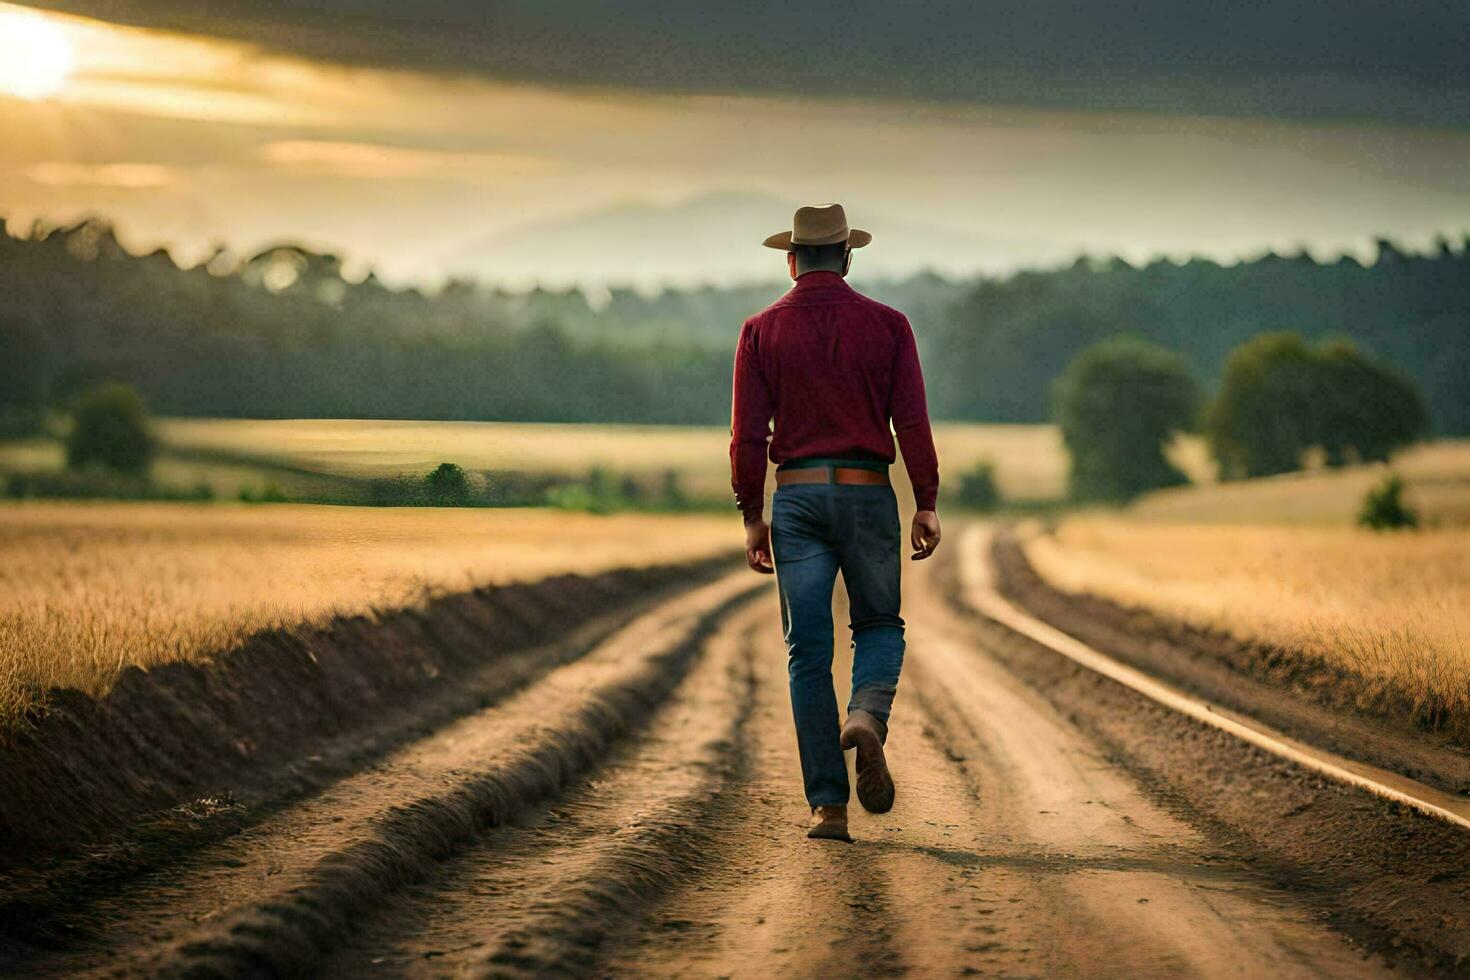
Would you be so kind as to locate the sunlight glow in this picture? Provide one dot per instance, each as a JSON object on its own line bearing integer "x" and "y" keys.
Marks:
{"x": 36, "y": 57}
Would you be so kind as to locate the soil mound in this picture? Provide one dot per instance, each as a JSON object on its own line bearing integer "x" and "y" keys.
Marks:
{"x": 1288, "y": 689}
{"x": 176, "y": 738}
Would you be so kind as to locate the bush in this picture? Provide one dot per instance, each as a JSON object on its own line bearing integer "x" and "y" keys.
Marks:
{"x": 1384, "y": 508}
{"x": 1281, "y": 397}
{"x": 96, "y": 483}
{"x": 269, "y": 494}
{"x": 447, "y": 486}
{"x": 602, "y": 492}
{"x": 571, "y": 496}
{"x": 1118, "y": 404}
{"x": 977, "y": 487}
{"x": 672, "y": 496}
{"x": 110, "y": 429}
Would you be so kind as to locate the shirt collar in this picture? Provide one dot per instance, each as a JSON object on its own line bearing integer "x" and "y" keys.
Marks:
{"x": 819, "y": 277}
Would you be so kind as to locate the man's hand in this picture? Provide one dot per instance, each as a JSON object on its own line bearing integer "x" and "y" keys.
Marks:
{"x": 925, "y": 534}
{"x": 758, "y": 547}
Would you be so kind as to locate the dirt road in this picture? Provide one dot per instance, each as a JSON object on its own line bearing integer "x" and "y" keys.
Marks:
{"x": 637, "y": 812}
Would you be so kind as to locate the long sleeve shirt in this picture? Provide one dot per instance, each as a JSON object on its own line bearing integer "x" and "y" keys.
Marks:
{"x": 825, "y": 371}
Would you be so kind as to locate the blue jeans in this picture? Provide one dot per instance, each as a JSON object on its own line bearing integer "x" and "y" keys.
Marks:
{"x": 817, "y": 529}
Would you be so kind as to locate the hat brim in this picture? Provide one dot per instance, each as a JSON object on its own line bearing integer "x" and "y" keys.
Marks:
{"x": 856, "y": 238}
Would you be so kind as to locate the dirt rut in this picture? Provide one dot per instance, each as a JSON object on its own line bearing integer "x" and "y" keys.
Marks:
{"x": 1015, "y": 848}
{"x": 638, "y": 813}
{"x": 274, "y": 897}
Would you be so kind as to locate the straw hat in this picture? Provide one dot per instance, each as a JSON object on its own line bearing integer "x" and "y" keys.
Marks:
{"x": 821, "y": 224}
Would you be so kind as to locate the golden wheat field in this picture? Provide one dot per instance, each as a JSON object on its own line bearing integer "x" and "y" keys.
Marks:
{"x": 1391, "y": 608}
{"x": 87, "y": 589}
{"x": 1436, "y": 475}
{"x": 1030, "y": 462}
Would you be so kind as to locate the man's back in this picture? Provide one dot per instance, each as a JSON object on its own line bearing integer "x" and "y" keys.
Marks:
{"x": 830, "y": 367}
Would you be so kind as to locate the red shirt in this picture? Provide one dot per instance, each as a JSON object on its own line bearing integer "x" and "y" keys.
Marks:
{"x": 831, "y": 367}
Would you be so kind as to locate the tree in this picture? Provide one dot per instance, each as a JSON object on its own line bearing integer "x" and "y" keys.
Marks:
{"x": 447, "y": 486}
{"x": 1264, "y": 415}
{"x": 1118, "y": 403}
{"x": 1281, "y": 396}
{"x": 1369, "y": 409}
{"x": 110, "y": 428}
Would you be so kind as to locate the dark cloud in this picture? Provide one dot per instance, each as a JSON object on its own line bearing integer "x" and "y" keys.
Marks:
{"x": 1376, "y": 59}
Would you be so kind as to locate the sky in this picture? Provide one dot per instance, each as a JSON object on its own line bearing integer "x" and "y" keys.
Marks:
{"x": 657, "y": 142}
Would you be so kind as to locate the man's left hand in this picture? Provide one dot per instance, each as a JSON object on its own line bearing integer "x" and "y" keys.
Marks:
{"x": 925, "y": 534}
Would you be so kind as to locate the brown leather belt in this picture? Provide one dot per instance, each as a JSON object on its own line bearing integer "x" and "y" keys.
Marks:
{"x": 832, "y": 474}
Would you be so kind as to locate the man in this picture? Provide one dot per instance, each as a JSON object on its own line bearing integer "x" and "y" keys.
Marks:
{"x": 822, "y": 373}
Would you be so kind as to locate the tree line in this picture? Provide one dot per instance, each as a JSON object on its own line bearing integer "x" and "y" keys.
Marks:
{"x": 1006, "y": 340}
{"x": 284, "y": 334}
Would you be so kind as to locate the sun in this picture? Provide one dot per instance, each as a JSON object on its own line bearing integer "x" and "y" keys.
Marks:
{"x": 36, "y": 56}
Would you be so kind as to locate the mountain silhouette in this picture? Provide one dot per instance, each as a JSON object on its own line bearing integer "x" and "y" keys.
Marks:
{"x": 717, "y": 238}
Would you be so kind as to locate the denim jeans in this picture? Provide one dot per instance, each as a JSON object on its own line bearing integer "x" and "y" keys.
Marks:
{"x": 817, "y": 529}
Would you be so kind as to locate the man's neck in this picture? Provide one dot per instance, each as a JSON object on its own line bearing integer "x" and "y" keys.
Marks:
{"x": 806, "y": 272}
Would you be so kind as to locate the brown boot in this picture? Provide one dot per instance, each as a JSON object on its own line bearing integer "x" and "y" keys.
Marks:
{"x": 829, "y": 823}
{"x": 865, "y": 733}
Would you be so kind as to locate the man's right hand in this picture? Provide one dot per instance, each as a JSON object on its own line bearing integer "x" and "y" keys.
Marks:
{"x": 758, "y": 547}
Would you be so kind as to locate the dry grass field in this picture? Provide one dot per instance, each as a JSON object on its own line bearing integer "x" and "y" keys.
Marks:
{"x": 87, "y": 589}
{"x": 1437, "y": 476}
{"x": 1029, "y": 460}
{"x": 1393, "y": 608}
{"x": 1281, "y": 560}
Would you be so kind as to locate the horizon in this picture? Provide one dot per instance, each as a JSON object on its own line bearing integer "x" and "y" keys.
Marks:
{"x": 355, "y": 272}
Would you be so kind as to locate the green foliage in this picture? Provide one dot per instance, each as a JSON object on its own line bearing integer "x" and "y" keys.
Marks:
{"x": 110, "y": 428}
{"x": 1007, "y": 339}
{"x": 271, "y": 493}
{"x": 1118, "y": 404}
{"x": 600, "y": 493}
{"x": 604, "y": 492}
{"x": 1282, "y": 396}
{"x": 978, "y": 488}
{"x": 1369, "y": 410}
{"x": 1384, "y": 508}
{"x": 573, "y": 496}
{"x": 673, "y": 496}
{"x": 97, "y": 484}
{"x": 447, "y": 486}
{"x": 285, "y": 335}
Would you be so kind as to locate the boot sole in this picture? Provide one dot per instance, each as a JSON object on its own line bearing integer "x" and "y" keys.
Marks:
{"x": 875, "y": 790}
{"x": 821, "y": 832}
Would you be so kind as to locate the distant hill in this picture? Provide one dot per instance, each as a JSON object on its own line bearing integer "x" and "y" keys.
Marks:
{"x": 717, "y": 238}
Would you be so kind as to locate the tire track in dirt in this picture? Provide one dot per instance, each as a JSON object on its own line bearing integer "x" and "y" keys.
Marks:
{"x": 541, "y": 896}
{"x": 275, "y": 897}
{"x": 1392, "y": 879}
{"x": 769, "y": 902}
{"x": 1015, "y": 848}
{"x": 476, "y": 647}
{"x": 1084, "y": 872}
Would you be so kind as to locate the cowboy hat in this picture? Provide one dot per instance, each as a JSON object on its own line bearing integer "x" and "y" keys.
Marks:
{"x": 821, "y": 224}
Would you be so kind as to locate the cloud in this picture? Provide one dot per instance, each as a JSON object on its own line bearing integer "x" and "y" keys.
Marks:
{"x": 127, "y": 176}
{"x": 1290, "y": 58}
{"x": 377, "y": 161}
